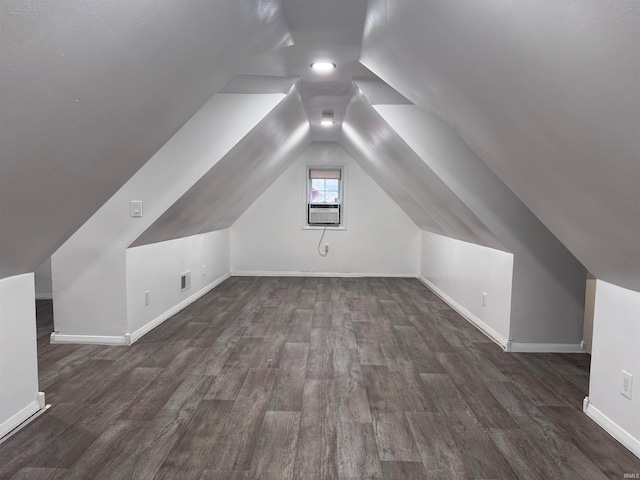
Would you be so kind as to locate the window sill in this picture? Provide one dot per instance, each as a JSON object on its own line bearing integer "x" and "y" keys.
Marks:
{"x": 329, "y": 228}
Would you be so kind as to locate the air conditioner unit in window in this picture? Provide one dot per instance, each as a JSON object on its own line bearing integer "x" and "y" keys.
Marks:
{"x": 324, "y": 214}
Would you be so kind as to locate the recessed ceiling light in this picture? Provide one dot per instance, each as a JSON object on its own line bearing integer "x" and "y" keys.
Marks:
{"x": 323, "y": 66}
{"x": 327, "y": 118}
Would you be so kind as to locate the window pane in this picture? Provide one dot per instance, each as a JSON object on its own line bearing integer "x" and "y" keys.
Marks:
{"x": 331, "y": 197}
{"x": 317, "y": 184}
{"x": 317, "y": 196}
{"x": 332, "y": 185}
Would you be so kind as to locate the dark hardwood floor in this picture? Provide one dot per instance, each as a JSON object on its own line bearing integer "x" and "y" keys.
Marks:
{"x": 311, "y": 378}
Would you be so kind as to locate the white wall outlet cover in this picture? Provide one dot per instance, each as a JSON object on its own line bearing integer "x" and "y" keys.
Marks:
{"x": 627, "y": 384}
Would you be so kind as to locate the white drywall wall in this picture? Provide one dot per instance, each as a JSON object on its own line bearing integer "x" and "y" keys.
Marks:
{"x": 44, "y": 286}
{"x": 616, "y": 347}
{"x": 19, "y": 397}
{"x": 461, "y": 272}
{"x": 157, "y": 268}
{"x": 89, "y": 270}
{"x": 548, "y": 282}
{"x": 589, "y": 312}
{"x": 379, "y": 239}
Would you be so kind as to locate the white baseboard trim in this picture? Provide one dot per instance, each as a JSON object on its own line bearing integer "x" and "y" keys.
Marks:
{"x": 320, "y": 274}
{"x": 466, "y": 314}
{"x": 612, "y": 428}
{"x": 133, "y": 337}
{"x": 58, "y": 338}
{"x": 44, "y": 296}
{"x": 129, "y": 338}
{"x": 517, "y": 347}
{"x": 22, "y": 416}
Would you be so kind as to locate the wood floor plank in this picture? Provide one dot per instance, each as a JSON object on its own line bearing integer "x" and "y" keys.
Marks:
{"x": 317, "y": 441}
{"x": 219, "y": 352}
{"x": 413, "y": 393}
{"x": 430, "y": 334}
{"x": 439, "y": 452}
{"x": 274, "y": 458}
{"x": 481, "y": 457}
{"x": 300, "y": 331}
{"x": 242, "y": 425}
{"x": 35, "y": 473}
{"x": 403, "y": 471}
{"x": 357, "y": 452}
{"x": 351, "y": 399}
{"x": 321, "y": 351}
{"x": 371, "y": 354}
{"x": 155, "y": 396}
{"x": 381, "y": 391}
{"x": 594, "y": 442}
{"x": 270, "y": 351}
{"x": 551, "y": 379}
{"x": 449, "y": 400}
{"x": 33, "y": 446}
{"x": 485, "y": 406}
{"x": 118, "y": 439}
{"x": 196, "y": 444}
{"x": 365, "y": 332}
{"x": 289, "y": 386}
{"x": 562, "y": 452}
{"x": 222, "y": 475}
{"x": 524, "y": 458}
{"x": 394, "y": 438}
{"x": 384, "y": 331}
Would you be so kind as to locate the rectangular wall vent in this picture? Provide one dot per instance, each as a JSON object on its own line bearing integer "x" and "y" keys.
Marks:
{"x": 185, "y": 281}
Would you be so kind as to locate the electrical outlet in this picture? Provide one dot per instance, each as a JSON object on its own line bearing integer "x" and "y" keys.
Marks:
{"x": 627, "y": 383}
{"x": 203, "y": 270}
{"x": 326, "y": 248}
{"x": 146, "y": 298}
{"x": 484, "y": 299}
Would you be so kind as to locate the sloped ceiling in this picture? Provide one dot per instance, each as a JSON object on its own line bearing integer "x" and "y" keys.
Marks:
{"x": 407, "y": 179}
{"x": 322, "y": 30}
{"x": 547, "y": 93}
{"x": 91, "y": 90}
{"x": 239, "y": 178}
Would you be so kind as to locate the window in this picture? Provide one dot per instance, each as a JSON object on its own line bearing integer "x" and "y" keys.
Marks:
{"x": 324, "y": 196}
{"x": 325, "y": 186}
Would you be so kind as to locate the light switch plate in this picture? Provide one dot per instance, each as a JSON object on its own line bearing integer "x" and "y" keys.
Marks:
{"x": 136, "y": 208}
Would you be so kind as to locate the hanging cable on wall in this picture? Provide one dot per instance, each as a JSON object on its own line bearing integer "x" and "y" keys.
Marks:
{"x": 326, "y": 247}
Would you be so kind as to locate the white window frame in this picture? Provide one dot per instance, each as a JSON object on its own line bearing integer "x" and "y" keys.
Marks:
{"x": 306, "y": 185}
